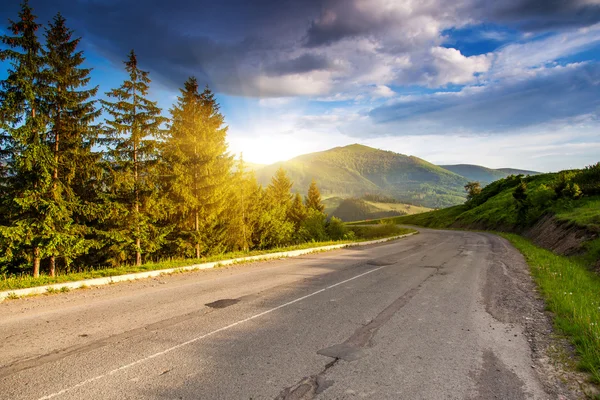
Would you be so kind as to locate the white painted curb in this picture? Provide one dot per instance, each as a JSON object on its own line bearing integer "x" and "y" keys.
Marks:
{"x": 158, "y": 272}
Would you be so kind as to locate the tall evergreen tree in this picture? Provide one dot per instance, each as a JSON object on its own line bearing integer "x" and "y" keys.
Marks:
{"x": 244, "y": 210}
{"x": 134, "y": 128}
{"x": 313, "y": 199}
{"x": 297, "y": 211}
{"x": 196, "y": 154}
{"x": 29, "y": 162}
{"x": 279, "y": 189}
{"x": 71, "y": 111}
{"x": 275, "y": 227}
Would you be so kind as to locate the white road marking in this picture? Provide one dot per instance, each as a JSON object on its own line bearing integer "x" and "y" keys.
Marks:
{"x": 170, "y": 349}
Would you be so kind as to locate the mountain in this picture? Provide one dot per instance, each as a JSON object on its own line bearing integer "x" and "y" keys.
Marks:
{"x": 484, "y": 175}
{"x": 356, "y": 170}
{"x": 254, "y": 166}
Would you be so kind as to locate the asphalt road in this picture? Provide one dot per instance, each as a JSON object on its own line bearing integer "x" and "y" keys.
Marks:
{"x": 439, "y": 315}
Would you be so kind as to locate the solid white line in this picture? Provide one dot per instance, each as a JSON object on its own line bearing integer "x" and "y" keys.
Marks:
{"x": 170, "y": 349}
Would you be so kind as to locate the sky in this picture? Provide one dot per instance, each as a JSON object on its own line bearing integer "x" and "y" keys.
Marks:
{"x": 511, "y": 83}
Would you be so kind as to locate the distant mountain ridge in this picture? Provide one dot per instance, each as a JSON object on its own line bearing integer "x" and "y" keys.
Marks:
{"x": 485, "y": 175}
{"x": 356, "y": 170}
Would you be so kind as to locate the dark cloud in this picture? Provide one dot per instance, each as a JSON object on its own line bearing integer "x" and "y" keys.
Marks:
{"x": 341, "y": 19}
{"x": 298, "y": 65}
{"x": 540, "y": 14}
{"x": 563, "y": 93}
{"x": 216, "y": 41}
{"x": 338, "y": 21}
{"x": 229, "y": 44}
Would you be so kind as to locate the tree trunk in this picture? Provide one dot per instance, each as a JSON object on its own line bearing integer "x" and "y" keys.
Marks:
{"x": 134, "y": 137}
{"x": 138, "y": 253}
{"x": 56, "y": 148}
{"x": 55, "y": 185}
{"x": 197, "y": 239}
{"x": 36, "y": 262}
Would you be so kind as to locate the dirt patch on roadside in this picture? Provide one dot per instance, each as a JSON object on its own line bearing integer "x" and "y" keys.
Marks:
{"x": 559, "y": 236}
{"x": 511, "y": 296}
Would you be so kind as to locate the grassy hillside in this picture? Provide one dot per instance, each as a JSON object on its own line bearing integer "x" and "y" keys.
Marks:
{"x": 355, "y": 170}
{"x": 368, "y": 208}
{"x": 484, "y": 175}
{"x": 561, "y": 206}
{"x": 404, "y": 209}
{"x": 331, "y": 203}
{"x": 358, "y": 210}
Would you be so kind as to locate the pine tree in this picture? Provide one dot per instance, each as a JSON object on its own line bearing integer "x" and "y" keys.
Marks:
{"x": 279, "y": 189}
{"x": 244, "y": 210}
{"x": 275, "y": 228}
{"x": 297, "y": 211}
{"x": 313, "y": 199}
{"x": 29, "y": 163}
{"x": 134, "y": 127}
{"x": 71, "y": 111}
{"x": 196, "y": 154}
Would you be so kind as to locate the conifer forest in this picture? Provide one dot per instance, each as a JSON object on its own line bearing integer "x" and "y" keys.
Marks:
{"x": 96, "y": 177}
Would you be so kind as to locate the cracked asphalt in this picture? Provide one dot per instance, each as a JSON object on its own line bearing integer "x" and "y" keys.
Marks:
{"x": 439, "y": 315}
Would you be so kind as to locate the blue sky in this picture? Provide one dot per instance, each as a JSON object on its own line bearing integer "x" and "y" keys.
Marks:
{"x": 512, "y": 83}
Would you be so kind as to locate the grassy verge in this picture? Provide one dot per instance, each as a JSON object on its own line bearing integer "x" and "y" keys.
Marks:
{"x": 572, "y": 293}
{"x": 26, "y": 281}
{"x": 378, "y": 231}
{"x": 432, "y": 219}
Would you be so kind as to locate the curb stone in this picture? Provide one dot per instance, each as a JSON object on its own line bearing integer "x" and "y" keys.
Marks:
{"x": 209, "y": 265}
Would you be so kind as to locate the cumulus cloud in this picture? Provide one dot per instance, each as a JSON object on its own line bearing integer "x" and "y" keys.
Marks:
{"x": 452, "y": 67}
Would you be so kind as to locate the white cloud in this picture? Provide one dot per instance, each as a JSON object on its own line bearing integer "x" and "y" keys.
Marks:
{"x": 452, "y": 67}
{"x": 516, "y": 59}
{"x": 382, "y": 91}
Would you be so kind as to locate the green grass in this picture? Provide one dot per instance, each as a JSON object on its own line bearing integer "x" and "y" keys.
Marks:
{"x": 433, "y": 219}
{"x": 27, "y": 281}
{"x": 583, "y": 212}
{"x": 400, "y": 207}
{"x": 572, "y": 293}
{"x": 378, "y": 231}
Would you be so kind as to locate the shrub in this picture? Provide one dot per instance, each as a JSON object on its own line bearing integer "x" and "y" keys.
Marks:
{"x": 336, "y": 229}
{"x": 572, "y": 191}
{"x": 541, "y": 197}
{"x": 313, "y": 227}
{"x": 589, "y": 179}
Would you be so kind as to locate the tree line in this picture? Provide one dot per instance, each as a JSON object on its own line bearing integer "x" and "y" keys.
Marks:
{"x": 77, "y": 192}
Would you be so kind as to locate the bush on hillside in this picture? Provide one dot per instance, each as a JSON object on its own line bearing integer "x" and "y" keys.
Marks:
{"x": 336, "y": 229}
{"x": 313, "y": 227}
{"x": 589, "y": 179}
{"x": 572, "y": 191}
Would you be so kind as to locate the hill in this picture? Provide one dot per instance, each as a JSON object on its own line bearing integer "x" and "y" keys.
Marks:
{"x": 356, "y": 170}
{"x": 485, "y": 175}
{"x": 558, "y": 211}
{"x": 360, "y": 210}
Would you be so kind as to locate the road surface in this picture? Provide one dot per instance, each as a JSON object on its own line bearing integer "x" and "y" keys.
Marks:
{"x": 439, "y": 315}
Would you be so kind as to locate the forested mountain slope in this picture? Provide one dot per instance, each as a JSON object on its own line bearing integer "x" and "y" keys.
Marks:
{"x": 356, "y": 170}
